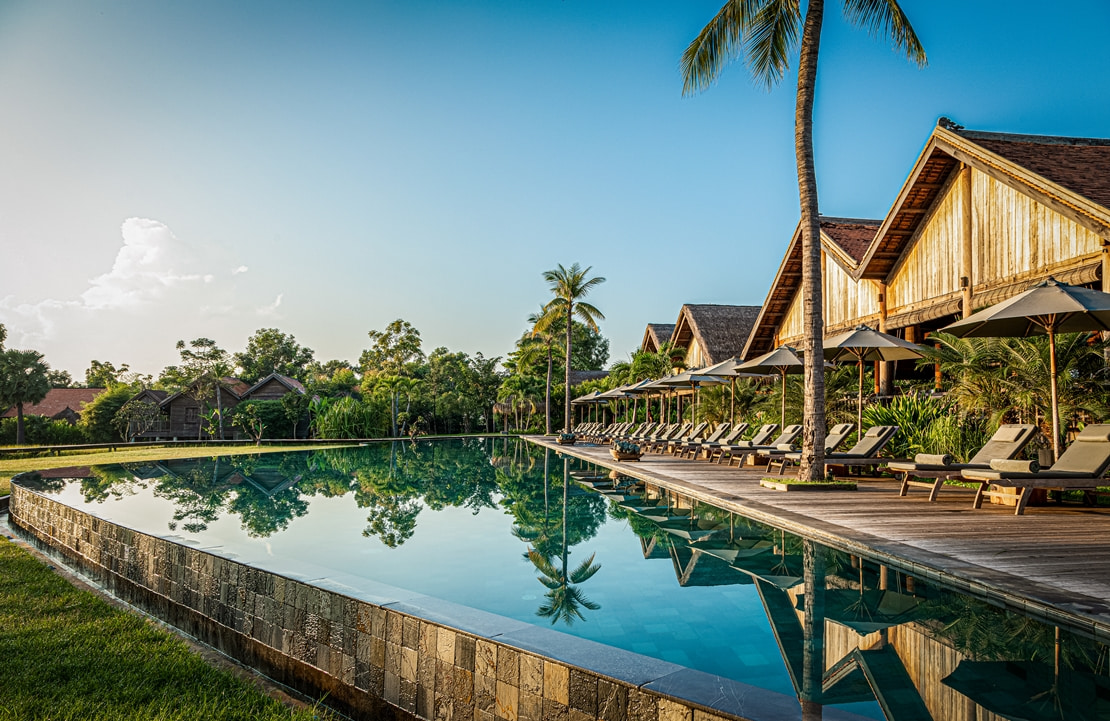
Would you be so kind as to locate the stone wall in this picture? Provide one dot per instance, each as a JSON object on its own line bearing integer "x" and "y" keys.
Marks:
{"x": 382, "y": 660}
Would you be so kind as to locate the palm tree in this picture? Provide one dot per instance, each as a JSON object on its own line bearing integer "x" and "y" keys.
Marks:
{"x": 570, "y": 285}
{"x": 545, "y": 334}
{"x": 765, "y": 32}
{"x": 23, "y": 379}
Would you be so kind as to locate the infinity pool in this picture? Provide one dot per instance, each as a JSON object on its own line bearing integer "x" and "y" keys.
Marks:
{"x": 506, "y": 527}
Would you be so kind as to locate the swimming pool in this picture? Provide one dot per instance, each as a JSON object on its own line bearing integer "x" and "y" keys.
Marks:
{"x": 508, "y": 528}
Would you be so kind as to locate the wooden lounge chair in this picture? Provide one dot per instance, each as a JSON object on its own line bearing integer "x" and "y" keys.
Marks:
{"x": 740, "y": 454}
{"x": 710, "y": 447}
{"x": 1006, "y": 442}
{"x": 862, "y": 455}
{"x": 694, "y": 447}
{"x": 761, "y": 437}
{"x": 833, "y": 440}
{"x": 697, "y": 434}
{"x": 1081, "y": 466}
{"x": 659, "y": 443}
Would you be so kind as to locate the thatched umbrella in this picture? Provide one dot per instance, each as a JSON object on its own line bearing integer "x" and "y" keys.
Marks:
{"x": 1048, "y": 308}
{"x": 867, "y": 344}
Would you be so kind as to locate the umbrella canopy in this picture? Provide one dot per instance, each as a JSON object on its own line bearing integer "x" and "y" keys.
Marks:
{"x": 591, "y": 397}
{"x": 781, "y": 360}
{"x": 613, "y": 394}
{"x": 1048, "y": 308}
{"x": 692, "y": 379}
{"x": 864, "y": 343}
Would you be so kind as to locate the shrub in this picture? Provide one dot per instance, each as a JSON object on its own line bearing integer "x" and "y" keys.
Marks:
{"x": 42, "y": 431}
{"x": 272, "y": 414}
{"x": 928, "y": 425}
{"x": 97, "y": 417}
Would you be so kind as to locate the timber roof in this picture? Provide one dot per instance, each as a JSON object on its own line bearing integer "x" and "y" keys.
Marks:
{"x": 844, "y": 240}
{"x": 721, "y": 330}
{"x": 234, "y": 386}
{"x": 656, "y": 335}
{"x": 1069, "y": 175}
{"x": 292, "y": 384}
{"x": 57, "y": 400}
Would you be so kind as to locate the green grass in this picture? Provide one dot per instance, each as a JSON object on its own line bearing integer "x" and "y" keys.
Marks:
{"x": 67, "y": 654}
{"x": 10, "y": 467}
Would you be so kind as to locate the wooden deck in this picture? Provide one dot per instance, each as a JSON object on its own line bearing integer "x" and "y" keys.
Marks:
{"x": 1053, "y": 562}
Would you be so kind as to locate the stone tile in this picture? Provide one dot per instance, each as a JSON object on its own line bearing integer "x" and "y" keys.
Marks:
{"x": 556, "y": 683}
{"x": 485, "y": 690}
{"x": 426, "y": 671}
{"x": 531, "y": 674}
{"x": 555, "y": 711}
{"x": 642, "y": 706}
{"x": 428, "y": 635}
{"x": 582, "y": 692}
{"x": 408, "y": 696}
{"x": 612, "y": 701}
{"x": 445, "y": 645}
{"x": 485, "y": 658}
{"x": 410, "y": 633}
{"x": 392, "y": 691}
{"x": 378, "y": 620}
{"x": 408, "y": 664}
{"x": 425, "y": 702}
{"x": 443, "y": 709}
{"x": 465, "y": 649}
{"x": 394, "y": 627}
{"x": 673, "y": 711}
{"x": 700, "y": 715}
{"x": 507, "y": 701}
{"x": 508, "y": 666}
{"x": 377, "y": 652}
{"x": 480, "y": 715}
{"x": 462, "y": 691}
{"x": 531, "y": 707}
{"x": 576, "y": 715}
{"x": 393, "y": 659}
{"x": 445, "y": 677}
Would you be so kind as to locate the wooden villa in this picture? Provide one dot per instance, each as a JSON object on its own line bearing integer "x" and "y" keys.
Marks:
{"x": 655, "y": 336}
{"x": 713, "y": 333}
{"x": 981, "y": 217}
{"x": 60, "y": 404}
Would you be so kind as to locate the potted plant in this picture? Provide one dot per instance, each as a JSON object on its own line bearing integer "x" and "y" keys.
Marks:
{"x": 565, "y": 439}
{"x": 625, "y": 451}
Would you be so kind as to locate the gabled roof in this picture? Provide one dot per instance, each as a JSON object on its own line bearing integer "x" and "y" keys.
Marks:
{"x": 844, "y": 240}
{"x": 656, "y": 335}
{"x": 1069, "y": 175}
{"x": 721, "y": 330}
{"x": 292, "y": 384}
{"x": 57, "y": 401}
{"x": 577, "y": 377}
{"x": 234, "y": 386}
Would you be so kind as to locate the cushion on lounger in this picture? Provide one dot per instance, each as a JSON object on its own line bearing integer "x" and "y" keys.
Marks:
{"x": 1008, "y": 433}
{"x": 934, "y": 459}
{"x": 785, "y": 447}
{"x": 1095, "y": 432}
{"x": 1008, "y": 465}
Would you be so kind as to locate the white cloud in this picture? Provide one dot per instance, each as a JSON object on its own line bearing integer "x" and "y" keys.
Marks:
{"x": 240, "y": 269}
{"x": 271, "y": 309}
{"x": 151, "y": 263}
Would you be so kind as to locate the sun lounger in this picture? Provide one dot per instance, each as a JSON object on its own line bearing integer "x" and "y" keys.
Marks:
{"x": 833, "y": 440}
{"x": 697, "y": 434}
{"x": 1006, "y": 442}
{"x": 710, "y": 447}
{"x": 761, "y": 437}
{"x": 740, "y": 453}
{"x": 694, "y": 447}
{"x": 1081, "y": 466}
{"x": 659, "y": 443}
{"x": 862, "y": 455}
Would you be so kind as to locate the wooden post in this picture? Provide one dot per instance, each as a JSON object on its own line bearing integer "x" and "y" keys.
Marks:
{"x": 966, "y": 240}
{"x": 884, "y": 370}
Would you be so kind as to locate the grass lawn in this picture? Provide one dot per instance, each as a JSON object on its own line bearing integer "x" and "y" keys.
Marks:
{"x": 9, "y": 468}
{"x": 67, "y": 654}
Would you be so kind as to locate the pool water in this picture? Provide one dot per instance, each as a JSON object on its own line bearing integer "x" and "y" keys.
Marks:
{"x": 510, "y": 528}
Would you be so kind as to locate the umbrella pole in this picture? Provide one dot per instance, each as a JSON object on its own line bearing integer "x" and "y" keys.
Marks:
{"x": 782, "y": 417}
{"x": 859, "y": 404}
{"x": 732, "y": 401}
{"x": 1055, "y": 401}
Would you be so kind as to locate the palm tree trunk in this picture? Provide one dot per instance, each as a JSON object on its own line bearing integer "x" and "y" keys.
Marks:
{"x": 566, "y": 410}
{"x": 547, "y": 397}
{"x": 20, "y": 435}
{"x": 220, "y": 411}
{"x": 813, "y": 434}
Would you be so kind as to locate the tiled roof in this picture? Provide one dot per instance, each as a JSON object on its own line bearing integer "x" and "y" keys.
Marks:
{"x": 56, "y": 401}
{"x": 853, "y": 235}
{"x": 1081, "y": 165}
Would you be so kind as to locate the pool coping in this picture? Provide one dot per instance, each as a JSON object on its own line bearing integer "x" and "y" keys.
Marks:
{"x": 1083, "y": 614}
{"x": 635, "y": 686}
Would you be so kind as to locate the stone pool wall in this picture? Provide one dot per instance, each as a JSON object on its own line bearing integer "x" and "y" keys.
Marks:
{"x": 373, "y": 660}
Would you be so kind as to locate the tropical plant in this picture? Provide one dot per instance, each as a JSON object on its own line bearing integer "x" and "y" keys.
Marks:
{"x": 766, "y": 33}
{"x": 247, "y": 418}
{"x": 136, "y": 417}
{"x": 98, "y": 415}
{"x": 570, "y": 286}
{"x": 23, "y": 380}
{"x": 271, "y": 351}
{"x": 547, "y": 338}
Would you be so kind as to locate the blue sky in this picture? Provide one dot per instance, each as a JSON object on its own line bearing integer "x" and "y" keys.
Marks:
{"x": 177, "y": 170}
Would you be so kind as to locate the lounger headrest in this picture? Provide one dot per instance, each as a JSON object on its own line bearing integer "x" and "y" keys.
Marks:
{"x": 874, "y": 431}
{"x": 840, "y": 429}
{"x": 1095, "y": 432}
{"x": 1008, "y": 433}
{"x": 785, "y": 447}
{"x": 933, "y": 459}
{"x": 1013, "y": 465}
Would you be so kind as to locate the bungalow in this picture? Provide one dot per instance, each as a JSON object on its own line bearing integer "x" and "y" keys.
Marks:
{"x": 981, "y": 217}
{"x": 713, "y": 333}
{"x": 655, "y": 336}
{"x": 60, "y": 404}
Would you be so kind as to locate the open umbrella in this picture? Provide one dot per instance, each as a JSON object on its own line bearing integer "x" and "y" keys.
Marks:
{"x": 1048, "y": 308}
{"x": 692, "y": 379}
{"x": 781, "y": 360}
{"x": 730, "y": 369}
{"x": 867, "y": 344}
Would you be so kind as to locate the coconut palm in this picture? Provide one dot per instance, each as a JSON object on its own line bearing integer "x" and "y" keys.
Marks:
{"x": 23, "y": 379}
{"x": 766, "y": 33}
{"x": 545, "y": 334}
{"x": 570, "y": 286}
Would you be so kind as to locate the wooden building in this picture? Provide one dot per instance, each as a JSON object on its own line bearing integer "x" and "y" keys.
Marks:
{"x": 981, "y": 217}
{"x": 713, "y": 333}
{"x": 655, "y": 336}
{"x": 273, "y": 387}
{"x": 60, "y": 404}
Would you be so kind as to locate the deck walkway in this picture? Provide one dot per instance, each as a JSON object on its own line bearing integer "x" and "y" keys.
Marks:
{"x": 1053, "y": 562}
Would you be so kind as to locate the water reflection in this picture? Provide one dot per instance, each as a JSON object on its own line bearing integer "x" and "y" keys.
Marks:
{"x": 868, "y": 639}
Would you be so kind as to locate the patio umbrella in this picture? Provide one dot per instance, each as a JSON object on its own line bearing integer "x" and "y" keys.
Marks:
{"x": 637, "y": 389}
{"x": 587, "y": 399}
{"x": 729, "y": 369}
{"x": 781, "y": 360}
{"x": 692, "y": 379}
{"x": 867, "y": 344}
{"x": 1048, "y": 308}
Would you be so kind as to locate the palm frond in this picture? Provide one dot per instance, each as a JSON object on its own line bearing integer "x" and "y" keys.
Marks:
{"x": 885, "y": 18}
{"x": 770, "y": 39}
{"x": 719, "y": 43}
{"x": 588, "y": 314}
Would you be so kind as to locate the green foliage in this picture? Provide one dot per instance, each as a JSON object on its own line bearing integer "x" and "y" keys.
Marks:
{"x": 135, "y": 417}
{"x": 395, "y": 351}
{"x": 23, "y": 381}
{"x": 269, "y": 351}
{"x": 254, "y": 417}
{"x": 100, "y": 662}
{"x": 349, "y": 418}
{"x": 103, "y": 374}
{"x": 59, "y": 379}
{"x": 928, "y": 425}
{"x": 41, "y": 431}
{"x": 294, "y": 407}
{"x": 97, "y": 417}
